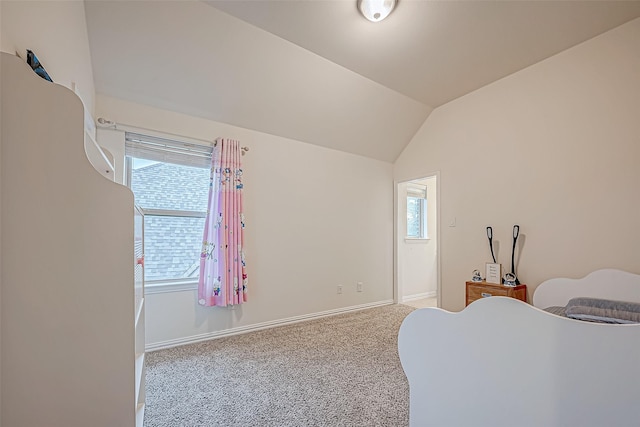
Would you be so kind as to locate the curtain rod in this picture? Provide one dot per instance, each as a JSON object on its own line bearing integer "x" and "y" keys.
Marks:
{"x": 106, "y": 123}
{"x": 243, "y": 150}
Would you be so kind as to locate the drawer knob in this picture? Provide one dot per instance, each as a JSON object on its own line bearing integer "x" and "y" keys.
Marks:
{"x": 485, "y": 295}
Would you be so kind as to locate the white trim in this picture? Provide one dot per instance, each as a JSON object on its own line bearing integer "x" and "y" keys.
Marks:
{"x": 259, "y": 326}
{"x": 439, "y": 236}
{"x": 416, "y": 239}
{"x": 430, "y": 294}
{"x": 174, "y": 213}
{"x": 396, "y": 235}
{"x": 151, "y": 288}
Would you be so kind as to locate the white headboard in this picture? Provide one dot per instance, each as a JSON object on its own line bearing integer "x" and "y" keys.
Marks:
{"x": 607, "y": 284}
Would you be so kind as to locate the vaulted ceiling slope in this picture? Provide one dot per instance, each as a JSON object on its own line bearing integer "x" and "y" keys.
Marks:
{"x": 316, "y": 71}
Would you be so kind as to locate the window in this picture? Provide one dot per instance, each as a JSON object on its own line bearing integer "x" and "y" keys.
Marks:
{"x": 170, "y": 182}
{"x": 416, "y": 211}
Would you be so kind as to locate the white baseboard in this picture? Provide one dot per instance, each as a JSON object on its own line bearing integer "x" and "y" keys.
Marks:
{"x": 259, "y": 326}
{"x": 430, "y": 294}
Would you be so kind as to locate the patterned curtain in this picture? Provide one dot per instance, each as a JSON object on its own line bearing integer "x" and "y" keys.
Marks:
{"x": 223, "y": 277}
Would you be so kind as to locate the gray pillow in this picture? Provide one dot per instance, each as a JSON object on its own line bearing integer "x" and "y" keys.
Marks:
{"x": 603, "y": 310}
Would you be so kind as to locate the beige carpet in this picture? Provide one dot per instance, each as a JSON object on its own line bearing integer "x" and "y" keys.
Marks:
{"x": 423, "y": 302}
{"x": 338, "y": 371}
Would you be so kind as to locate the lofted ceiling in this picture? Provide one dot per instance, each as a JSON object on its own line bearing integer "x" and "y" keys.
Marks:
{"x": 317, "y": 71}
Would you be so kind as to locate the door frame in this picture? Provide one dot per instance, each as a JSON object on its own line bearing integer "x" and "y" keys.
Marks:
{"x": 397, "y": 291}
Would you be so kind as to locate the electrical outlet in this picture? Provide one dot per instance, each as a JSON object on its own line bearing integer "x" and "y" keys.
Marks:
{"x": 339, "y": 289}
{"x": 359, "y": 286}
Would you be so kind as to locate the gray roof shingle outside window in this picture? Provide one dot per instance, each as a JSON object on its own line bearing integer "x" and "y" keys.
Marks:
{"x": 172, "y": 244}
{"x": 170, "y": 186}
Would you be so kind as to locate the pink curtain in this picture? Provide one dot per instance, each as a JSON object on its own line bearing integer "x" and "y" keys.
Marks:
{"x": 223, "y": 277}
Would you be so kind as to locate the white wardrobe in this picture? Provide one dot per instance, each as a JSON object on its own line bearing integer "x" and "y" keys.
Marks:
{"x": 68, "y": 300}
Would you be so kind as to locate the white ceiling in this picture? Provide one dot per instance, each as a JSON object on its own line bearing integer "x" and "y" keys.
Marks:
{"x": 317, "y": 71}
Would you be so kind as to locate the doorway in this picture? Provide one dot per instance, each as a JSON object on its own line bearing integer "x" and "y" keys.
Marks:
{"x": 417, "y": 226}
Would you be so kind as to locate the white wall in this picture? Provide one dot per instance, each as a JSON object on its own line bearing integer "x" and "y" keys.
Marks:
{"x": 56, "y": 31}
{"x": 315, "y": 218}
{"x": 417, "y": 258}
{"x": 553, "y": 148}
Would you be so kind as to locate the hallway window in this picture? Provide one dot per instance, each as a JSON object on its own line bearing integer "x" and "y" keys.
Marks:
{"x": 416, "y": 211}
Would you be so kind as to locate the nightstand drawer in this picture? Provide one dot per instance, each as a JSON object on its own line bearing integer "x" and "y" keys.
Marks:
{"x": 475, "y": 292}
{"x": 478, "y": 290}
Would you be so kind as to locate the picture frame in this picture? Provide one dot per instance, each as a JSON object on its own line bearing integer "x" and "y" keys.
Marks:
{"x": 493, "y": 273}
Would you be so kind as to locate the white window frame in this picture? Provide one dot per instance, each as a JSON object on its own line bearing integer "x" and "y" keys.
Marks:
{"x": 200, "y": 151}
{"x": 419, "y": 192}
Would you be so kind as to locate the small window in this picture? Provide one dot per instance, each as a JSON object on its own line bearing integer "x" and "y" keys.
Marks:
{"x": 170, "y": 182}
{"x": 416, "y": 211}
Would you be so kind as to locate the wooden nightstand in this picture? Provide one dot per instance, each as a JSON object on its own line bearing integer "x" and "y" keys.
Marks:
{"x": 477, "y": 290}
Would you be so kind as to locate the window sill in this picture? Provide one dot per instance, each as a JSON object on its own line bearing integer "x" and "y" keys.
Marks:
{"x": 416, "y": 240}
{"x": 163, "y": 288}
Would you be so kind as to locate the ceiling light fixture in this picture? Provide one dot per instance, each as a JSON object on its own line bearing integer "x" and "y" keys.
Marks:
{"x": 376, "y": 10}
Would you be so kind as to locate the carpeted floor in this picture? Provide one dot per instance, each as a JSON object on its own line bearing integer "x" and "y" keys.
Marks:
{"x": 338, "y": 371}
